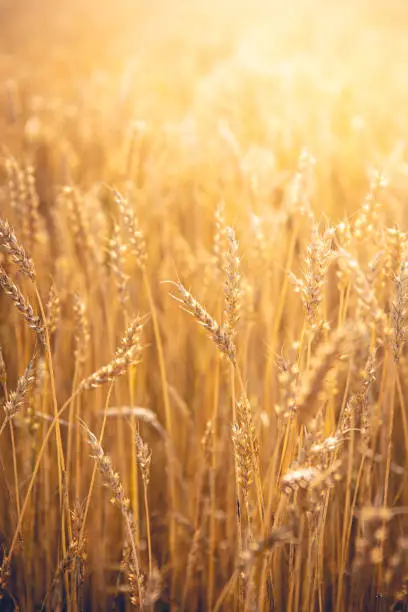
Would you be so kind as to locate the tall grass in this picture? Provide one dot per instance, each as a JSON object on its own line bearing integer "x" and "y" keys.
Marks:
{"x": 203, "y": 309}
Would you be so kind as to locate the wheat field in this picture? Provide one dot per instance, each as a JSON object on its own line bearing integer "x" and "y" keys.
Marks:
{"x": 203, "y": 306}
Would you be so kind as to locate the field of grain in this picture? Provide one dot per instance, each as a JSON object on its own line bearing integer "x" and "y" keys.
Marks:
{"x": 204, "y": 305}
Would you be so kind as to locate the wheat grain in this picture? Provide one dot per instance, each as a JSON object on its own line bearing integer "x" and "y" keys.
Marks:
{"x": 16, "y": 398}
{"x": 10, "y": 244}
{"x": 217, "y": 333}
{"x": 25, "y": 308}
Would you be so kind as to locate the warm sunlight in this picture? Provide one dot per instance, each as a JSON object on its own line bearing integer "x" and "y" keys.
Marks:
{"x": 203, "y": 305}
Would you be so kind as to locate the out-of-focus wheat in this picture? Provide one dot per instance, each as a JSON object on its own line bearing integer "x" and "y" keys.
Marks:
{"x": 266, "y": 469}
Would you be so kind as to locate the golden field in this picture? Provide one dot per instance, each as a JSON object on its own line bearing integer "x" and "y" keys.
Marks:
{"x": 203, "y": 306}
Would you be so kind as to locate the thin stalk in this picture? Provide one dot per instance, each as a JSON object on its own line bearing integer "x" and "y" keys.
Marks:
{"x": 262, "y": 600}
{"x": 389, "y": 446}
{"x": 320, "y": 552}
{"x": 403, "y": 412}
{"x": 354, "y": 502}
{"x": 15, "y": 469}
{"x": 149, "y": 538}
{"x": 212, "y": 527}
{"x": 76, "y": 407}
{"x": 390, "y": 430}
{"x": 279, "y": 312}
{"x": 294, "y": 583}
{"x": 237, "y": 488}
{"x": 71, "y": 428}
{"x": 306, "y": 605}
{"x": 134, "y": 466}
{"x": 64, "y": 498}
{"x": 13, "y": 446}
{"x": 41, "y": 453}
{"x": 346, "y": 518}
{"x": 3, "y": 426}
{"x": 168, "y": 420}
{"x": 225, "y": 591}
{"x": 63, "y": 494}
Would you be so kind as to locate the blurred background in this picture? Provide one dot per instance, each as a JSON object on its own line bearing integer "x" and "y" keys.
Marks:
{"x": 322, "y": 70}
{"x": 180, "y": 104}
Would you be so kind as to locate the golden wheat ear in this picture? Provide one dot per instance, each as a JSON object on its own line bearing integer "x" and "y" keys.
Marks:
{"x": 127, "y": 354}
{"x": 112, "y": 481}
{"x": 10, "y": 244}
{"x": 16, "y": 398}
{"x": 23, "y": 306}
{"x": 232, "y": 285}
{"x": 216, "y": 332}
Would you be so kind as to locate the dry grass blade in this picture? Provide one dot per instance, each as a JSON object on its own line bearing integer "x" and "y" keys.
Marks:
{"x": 144, "y": 414}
